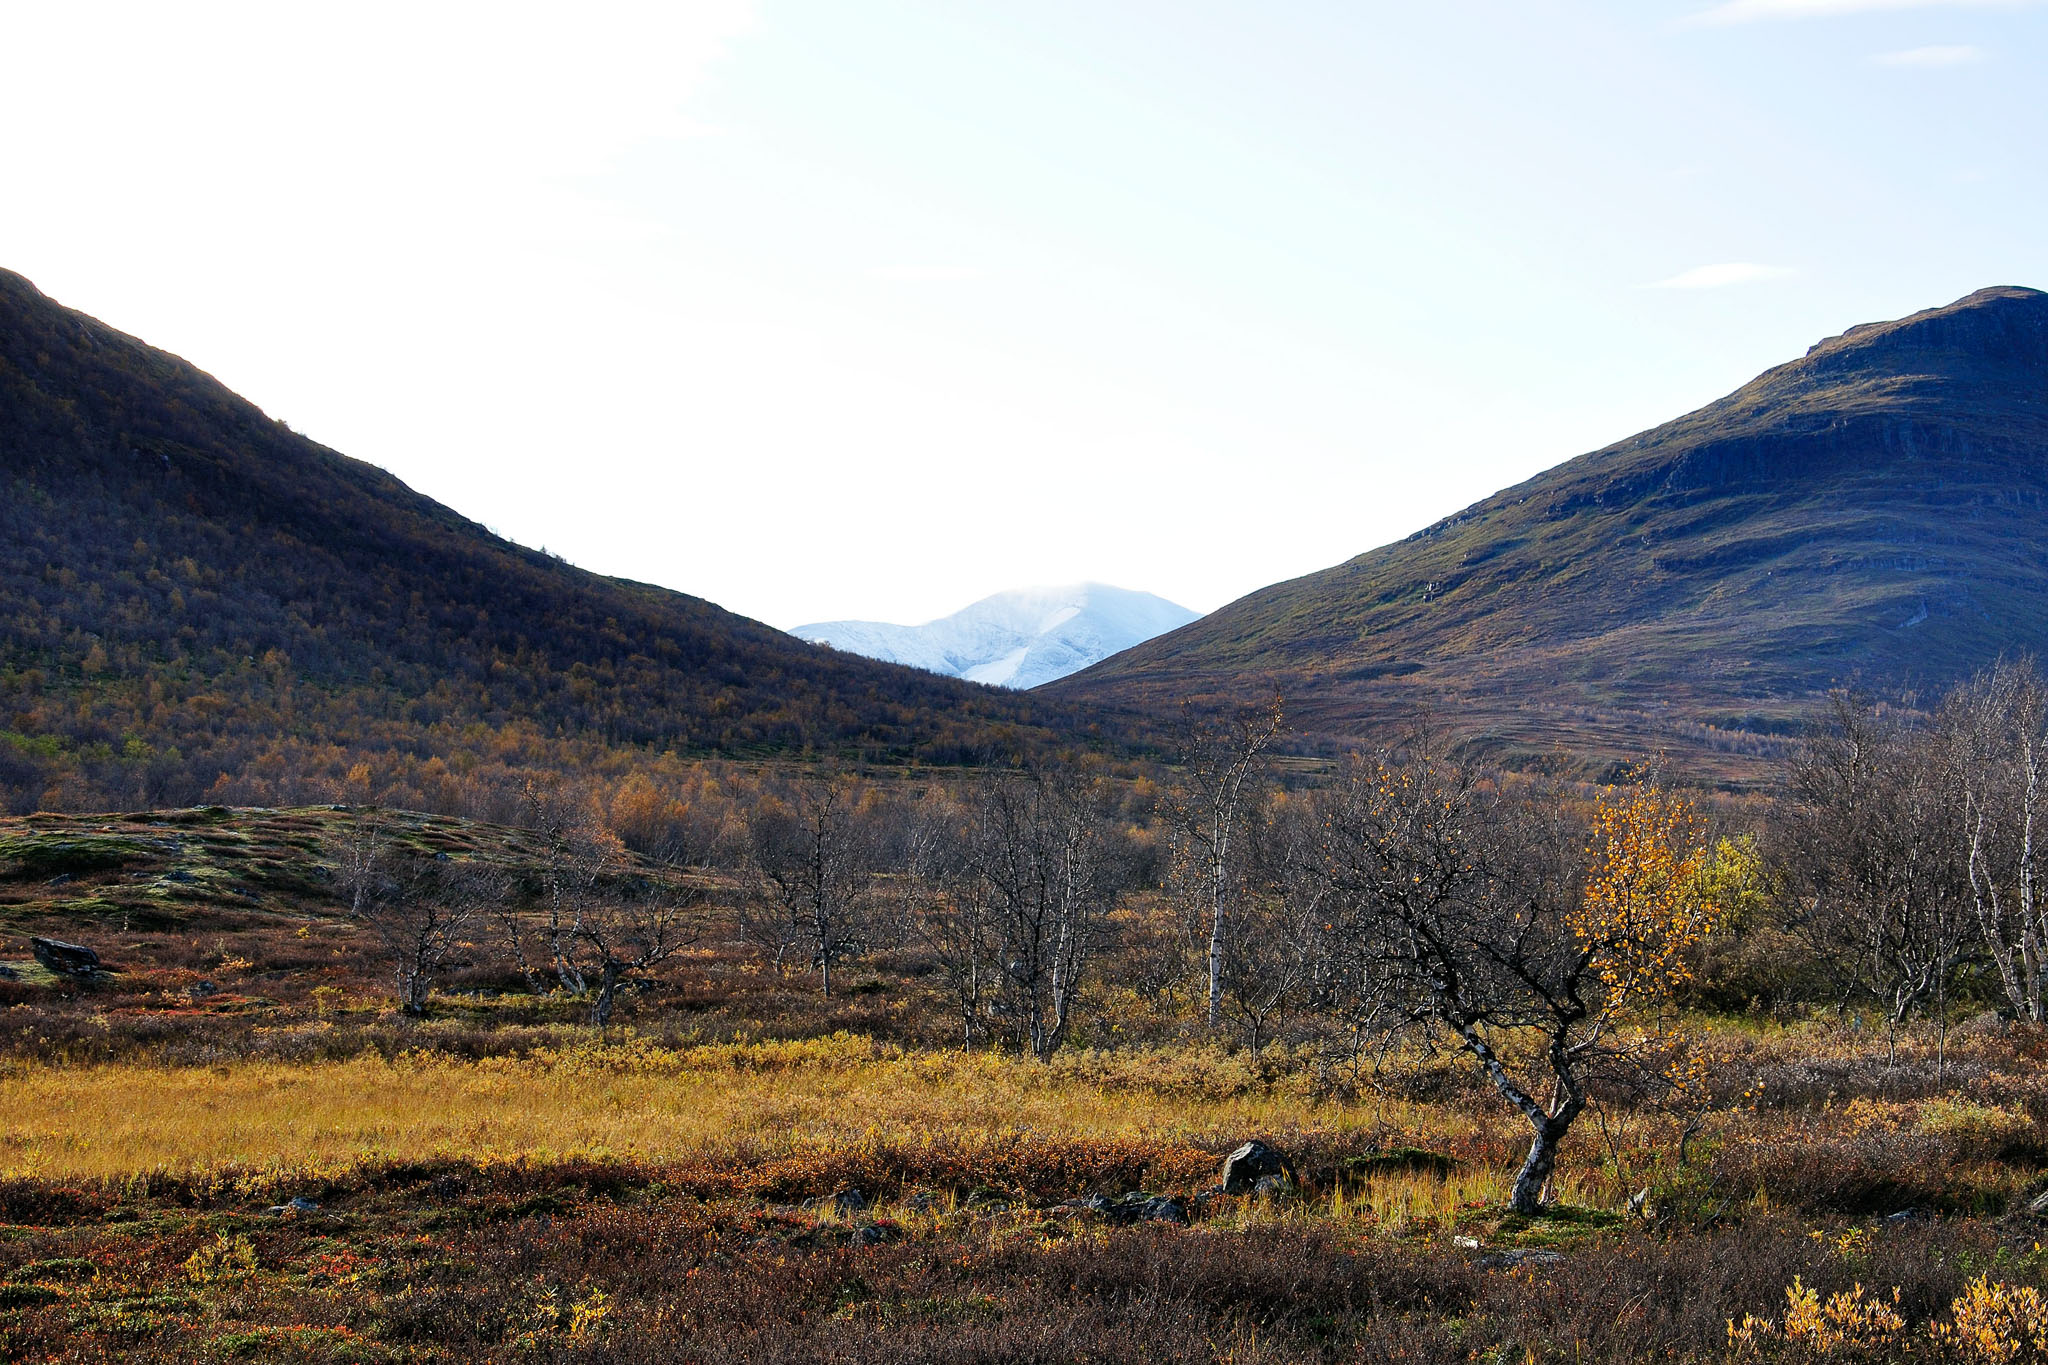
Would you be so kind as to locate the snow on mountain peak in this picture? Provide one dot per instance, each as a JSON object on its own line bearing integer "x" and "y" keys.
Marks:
{"x": 1019, "y": 638}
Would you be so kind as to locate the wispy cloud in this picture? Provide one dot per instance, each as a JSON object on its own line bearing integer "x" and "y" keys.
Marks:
{"x": 1961, "y": 54}
{"x": 1721, "y": 276}
{"x": 924, "y": 274}
{"x": 1751, "y": 11}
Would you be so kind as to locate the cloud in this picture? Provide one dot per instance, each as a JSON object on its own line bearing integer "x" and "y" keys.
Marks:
{"x": 924, "y": 274}
{"x": 1721, "y": 276}
{"x": 1750, "y": 11}
{"x": 1957, "y": 55}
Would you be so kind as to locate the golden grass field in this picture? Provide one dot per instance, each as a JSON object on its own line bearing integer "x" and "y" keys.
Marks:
{"x": 616, "y": 1199}
{"x": 745, "y": 1101}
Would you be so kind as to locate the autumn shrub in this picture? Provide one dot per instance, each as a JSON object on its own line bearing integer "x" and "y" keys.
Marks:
{"x": 1995, "y": 1324}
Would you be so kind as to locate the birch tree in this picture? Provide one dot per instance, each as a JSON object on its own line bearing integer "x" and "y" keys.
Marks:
{"x": 812, "y": 846}
{"x": 1037, "y": 859}
{"x": 1221, "y": 764}
{"x": 1996, "y": 732}
{"x": 1481, "y": 919}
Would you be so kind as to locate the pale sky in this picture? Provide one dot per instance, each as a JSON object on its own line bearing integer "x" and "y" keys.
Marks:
{"x": 868, "y": 308}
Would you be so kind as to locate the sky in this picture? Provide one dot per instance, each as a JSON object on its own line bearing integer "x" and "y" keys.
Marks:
{"x": 824, "y": 309}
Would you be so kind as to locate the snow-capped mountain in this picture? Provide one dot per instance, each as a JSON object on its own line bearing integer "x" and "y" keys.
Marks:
{"x": 1019, "y": 638}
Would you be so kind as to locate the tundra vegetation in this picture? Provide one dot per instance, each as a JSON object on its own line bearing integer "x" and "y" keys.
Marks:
{"x": 763, "y": 1062}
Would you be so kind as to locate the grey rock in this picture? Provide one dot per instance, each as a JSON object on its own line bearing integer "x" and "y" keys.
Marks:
{"x": 1273, "y": 1186}
{"x": 8, "y": 973}
{"x": 66, "y": 959}
{"x": 199, "y": 990}
{"x": 1907, "y": 1216}
{"x": 843, "y": 1204}
{"x": 1244, "y": 1168}
{"x": 1165, "y": 1211}
{"x": 1517, "y": 1258}
{"x": 61, "y": 879}
{"x": 1144, "y": 1208}
{"x": 2038, "y": 1206}
{"x": 292, "y": 1207}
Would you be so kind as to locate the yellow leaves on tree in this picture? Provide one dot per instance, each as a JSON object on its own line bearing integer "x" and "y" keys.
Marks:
{"x": 1645, "y": 903}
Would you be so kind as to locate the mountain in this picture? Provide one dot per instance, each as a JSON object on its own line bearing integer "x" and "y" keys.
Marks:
{"x": 1015, "y": 639}
{"x": 196, "y": 598}
{"x": 1870, "y": 514}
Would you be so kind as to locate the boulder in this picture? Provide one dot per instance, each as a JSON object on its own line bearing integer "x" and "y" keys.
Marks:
{"x": 1244, "y": 1168}
{"x": 1164, "y": 1211}
{"x": 66, "y": 959}
{"x": 1144, "y": 1208}
{"x": 2038, "y": 1206}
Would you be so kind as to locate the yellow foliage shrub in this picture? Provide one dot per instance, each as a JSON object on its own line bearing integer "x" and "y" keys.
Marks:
{"x": 1844, "y": 1325}
{"x": 1996, "y": 1324}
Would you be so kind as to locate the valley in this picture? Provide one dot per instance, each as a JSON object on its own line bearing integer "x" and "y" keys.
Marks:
{"x": 414, "y": 948}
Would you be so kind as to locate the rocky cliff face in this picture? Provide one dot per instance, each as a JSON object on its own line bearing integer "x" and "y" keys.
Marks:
{"x": 1868, "y": 514}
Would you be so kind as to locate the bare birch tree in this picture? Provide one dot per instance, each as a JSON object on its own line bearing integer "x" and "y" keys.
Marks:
{"x": 421, "y": 906}
{"x": 814, "y": 850}
{"x": 1876, "y": 859}
{"x": 603, "y": 916}
{"x": 1996, "y": 732}
{"x": 1220, "y": 766}
{"x": 1278, "y": 946}
{"x": 1037, "y": 859}
{"x": 947, "y": 912}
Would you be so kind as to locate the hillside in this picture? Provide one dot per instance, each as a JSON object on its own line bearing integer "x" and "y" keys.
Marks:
{"x": 197, "y": 597}
{"x": 1869, "y": 514}
{"x": 1015, "y": 639}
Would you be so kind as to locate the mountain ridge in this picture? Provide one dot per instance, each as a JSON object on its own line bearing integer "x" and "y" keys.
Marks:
{"x": 1019, "y": 638}
{"x": 192, "y": 590}
{"x": 1694, "y": 587}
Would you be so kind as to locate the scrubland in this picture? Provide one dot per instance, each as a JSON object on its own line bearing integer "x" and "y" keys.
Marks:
{"x": 626, "y": 1199}
{"x": 237, "y": 1145}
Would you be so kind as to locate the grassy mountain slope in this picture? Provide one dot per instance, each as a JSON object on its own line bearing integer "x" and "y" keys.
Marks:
{"x": 188, "y": 588}
{"x": 1869, "y": 513}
